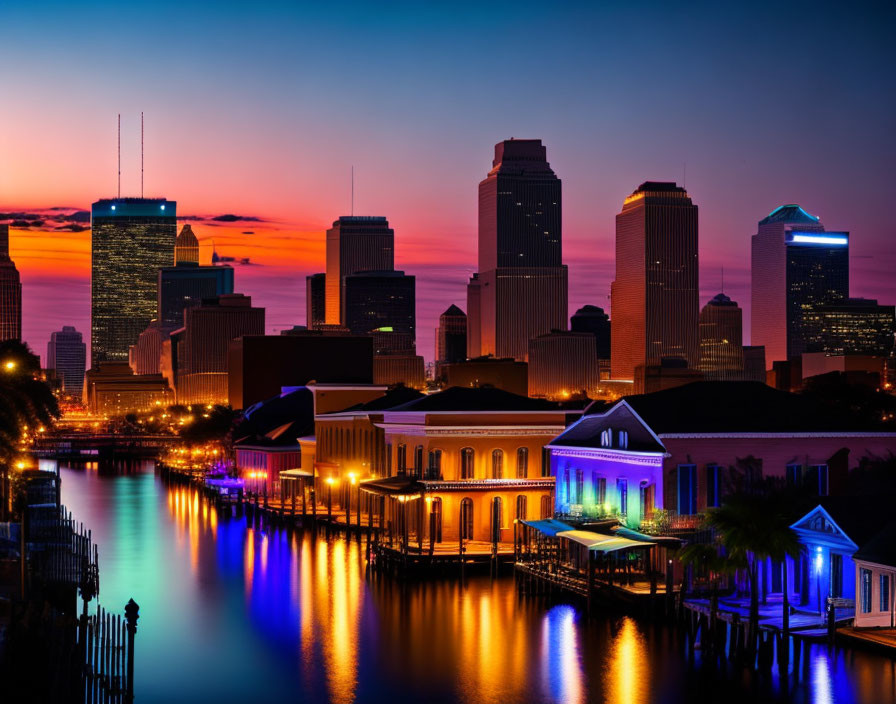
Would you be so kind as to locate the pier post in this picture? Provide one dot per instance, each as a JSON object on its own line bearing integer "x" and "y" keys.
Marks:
{"x": 131, "y": 614}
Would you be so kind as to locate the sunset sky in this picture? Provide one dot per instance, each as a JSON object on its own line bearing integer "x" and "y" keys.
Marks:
{"x": 262, "y": 109}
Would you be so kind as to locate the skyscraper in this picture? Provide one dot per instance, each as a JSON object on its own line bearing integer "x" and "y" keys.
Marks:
{"x": 451, "y": 336}
{"x": 594, "y": 320}
{"x": 186, "y": 283}
{"x": 10, "y": 292}
{"x": 202, "y": 348}
{"x": 186, "y": 247}
{"x": 67, "y": 354}
{"x": 315, "y": 300}
{"x": 721, "y": 340}
{"x": 795, "y": 265}
{"x": 654, "y": 298}
{"x": 563, "y": 364}
{"x": 355, "y": 243}
{"x": 131, "y": 239}
{"x": 382, "y": 304}
{"x": 855, "y": 326}
{"x": 522, "y": 282}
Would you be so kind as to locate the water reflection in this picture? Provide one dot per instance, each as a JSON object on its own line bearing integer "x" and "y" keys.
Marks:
{"x": 233, "y": 612}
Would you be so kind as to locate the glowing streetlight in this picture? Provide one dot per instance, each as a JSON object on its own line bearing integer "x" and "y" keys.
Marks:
{"x": 9, "y": 365}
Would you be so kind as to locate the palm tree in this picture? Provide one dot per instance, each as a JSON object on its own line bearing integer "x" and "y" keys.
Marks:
{"x": 753, "y": 528}
{"x": 708, "y": 558}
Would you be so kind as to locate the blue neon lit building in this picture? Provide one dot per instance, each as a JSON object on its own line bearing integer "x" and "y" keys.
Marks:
{"x": 796, "y": 265}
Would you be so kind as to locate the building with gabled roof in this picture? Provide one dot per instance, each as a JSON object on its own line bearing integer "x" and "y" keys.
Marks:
{"x": 708, "y": 439}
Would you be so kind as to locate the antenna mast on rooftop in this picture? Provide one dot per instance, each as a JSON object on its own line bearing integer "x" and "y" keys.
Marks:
{"x": 119, "y": 155}
{"x": 353, "y": 189}
{"x": 141, "y": 153}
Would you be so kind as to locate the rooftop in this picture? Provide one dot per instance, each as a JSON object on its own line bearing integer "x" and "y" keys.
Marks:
{"x": 790, "y": 213}
{"x": 454, "y": 310}
{"x": 459, "y": 398}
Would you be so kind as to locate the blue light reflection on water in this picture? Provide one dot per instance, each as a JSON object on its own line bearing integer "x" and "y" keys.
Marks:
{"x": 232, "y": 613}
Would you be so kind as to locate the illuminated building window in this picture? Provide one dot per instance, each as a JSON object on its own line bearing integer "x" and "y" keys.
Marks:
{"x": 794, "y": 475}
{"x": 466, "y": 519}
{"x": 884, "y": 592}
{"x": 546, "y": 508}
{"x": 467, "y": 456}
{"x": 402, "y": 459}
{"x": 713, "y": 485}
{"x": 434, "y": 470}
{"x": 522, "y": 463}
{"x": 865, "y": 578}
{"x": 497, "y": 464}
{"x": 622, "y": 493}
{"x": 521, "y": 507}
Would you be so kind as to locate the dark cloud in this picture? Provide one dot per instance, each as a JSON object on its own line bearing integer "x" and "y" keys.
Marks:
{"x": 71, "y": 228}
{"x": 26, "y": 223}
{"x": 249, "y": 233}
{"x": 229, "y": 217}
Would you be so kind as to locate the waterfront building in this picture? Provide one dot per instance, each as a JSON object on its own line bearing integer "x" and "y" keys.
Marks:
{"x": 315, "y": 300}
{"x": 354, "y": 244}
{"x": 654, "y": 297}
{"x": 594, "y": 320}
{"x": 260, "y": 365}
{"x": 721, "y": 341}
{"x": 875, "y": 563}
{"x": 521, "y": 286}
{"x": 506, "y": 374}
{"x": 563, "y": 364}
{"x": 716, "y": 437}
{"x": 796, "y": 265}
{"x": 468, "y": 462}
{"x": 352, "y": 440}
{"x": 832, "y": 534}
{"x": 851, "y": 326}
{"x": 67, "y": 354}
{"x": 112, "y": 389}
{"x": 451, "y": 337}
{"x": 201, "y": 361}
{"x": 10, "y": 292}
{"x": 131, "y": 239}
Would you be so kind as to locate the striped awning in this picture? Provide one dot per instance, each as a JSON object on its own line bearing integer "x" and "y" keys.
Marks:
{"x": 548, "y": 526}
{"x": 602, "y": 543}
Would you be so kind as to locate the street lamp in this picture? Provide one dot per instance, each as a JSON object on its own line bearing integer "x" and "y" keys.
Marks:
{"x": 10, "y": 365}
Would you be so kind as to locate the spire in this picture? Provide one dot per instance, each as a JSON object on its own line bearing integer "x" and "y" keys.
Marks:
{"x": 186, "y": 248}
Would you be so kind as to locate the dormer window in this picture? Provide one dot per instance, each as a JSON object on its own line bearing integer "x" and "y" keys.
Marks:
{"x": 606, "y": 438}
{"x": 623, "y": 439}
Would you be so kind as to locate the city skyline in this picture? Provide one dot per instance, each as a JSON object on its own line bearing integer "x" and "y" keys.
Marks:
{"x": 290, "y": 174}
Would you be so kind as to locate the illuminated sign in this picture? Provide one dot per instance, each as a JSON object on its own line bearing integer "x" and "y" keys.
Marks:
{"x": 838, "y": 239}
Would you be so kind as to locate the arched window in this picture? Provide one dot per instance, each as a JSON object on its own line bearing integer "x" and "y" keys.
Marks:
{"x": 418, "y": 460}
{"x": 521, "y": 507}
{"x": 466, "y": 463}
{"x": 606, "y": 438}
{"x": 434, "y": 468}
{"x": 402, "y": 459}
{"x": 546, "y": 508}
{"x": 497, "y": 464}
{"x": 580, "y": 486}
{"x": 466, "y": 519}
{"x": 623, "y": 439}
{"x": 497, "y": 518}
{"x": 522, "y": 463}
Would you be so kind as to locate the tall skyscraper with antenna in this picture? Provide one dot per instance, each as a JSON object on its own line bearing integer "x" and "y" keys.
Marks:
{"x": 131, "y": 239}
{"x": 520, "y": 291}
{"x": 10, "y": 292}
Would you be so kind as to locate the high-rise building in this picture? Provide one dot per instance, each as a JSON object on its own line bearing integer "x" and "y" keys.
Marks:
{"x": 67, "y": 354}
{"x": 201, "y": 351}
{"x": 563, "y": 364}
{"x": 381, "y": 303}
{"x": 186, "y": 283}
{"x": 474, "y": 323}
{"x": 186, "y": 247}
{"x": 721, "y": 340}
{"x": 594, "y": 320}
{"x": 851, "y": 326}
{"x": 796, "y": 265}
{"x": 355, "y": 244}
{"x": 451, "y": 336}
{"x": 754, "y": 363}
{"x": 522, "y": 282}
{"x": 131, "y": 239}
{"x": 654, "y": 298}
{"x": 146, "y": 353}
{"x": 315, "y": 301}
{"x": 10, "y": 292}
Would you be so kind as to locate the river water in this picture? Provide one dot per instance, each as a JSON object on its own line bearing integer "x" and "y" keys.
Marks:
{"x": 235, "y": 614}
